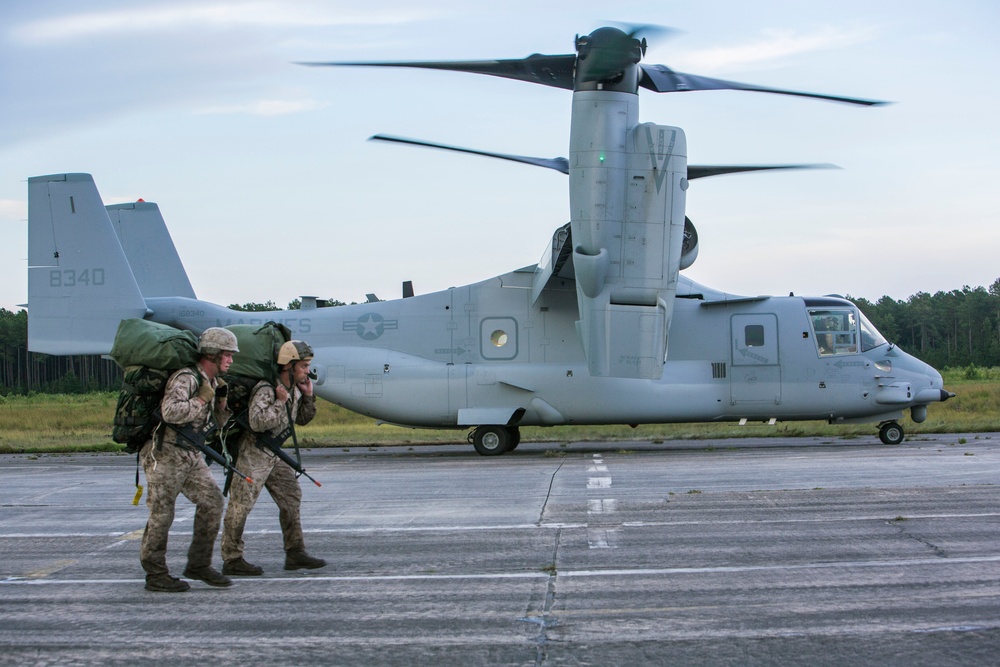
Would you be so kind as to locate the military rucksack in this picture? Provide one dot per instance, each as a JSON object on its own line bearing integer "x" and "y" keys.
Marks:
{"x": 259, "y": 347}
{"x": 149, "y": 353}
{"x": 142, "y": 389}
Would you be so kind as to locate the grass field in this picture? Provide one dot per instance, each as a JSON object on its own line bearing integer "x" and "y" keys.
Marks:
{"x": 75, "y": 423}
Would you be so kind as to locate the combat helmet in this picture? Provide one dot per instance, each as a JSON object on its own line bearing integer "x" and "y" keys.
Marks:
{"x": 294, "y": 350}
{"x": 216, "y": 340}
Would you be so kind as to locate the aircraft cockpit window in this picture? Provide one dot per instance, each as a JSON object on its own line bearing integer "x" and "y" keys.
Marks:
{"x": 836, "y": 331}
{"x": 870, "y": 337}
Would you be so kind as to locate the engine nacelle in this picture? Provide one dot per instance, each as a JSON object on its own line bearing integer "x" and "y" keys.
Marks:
{"x": 627, "y": 185}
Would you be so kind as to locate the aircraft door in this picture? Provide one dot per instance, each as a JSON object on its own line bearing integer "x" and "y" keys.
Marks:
{"x": 756, "y": 373}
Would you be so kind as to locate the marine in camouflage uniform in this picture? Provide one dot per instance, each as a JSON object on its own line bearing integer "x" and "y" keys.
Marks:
{"x": 268, "y": 414}
{"x": 192, "y": 398}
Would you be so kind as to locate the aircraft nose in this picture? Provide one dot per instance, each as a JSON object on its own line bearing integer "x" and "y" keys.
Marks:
{"x": 933, "y": 396}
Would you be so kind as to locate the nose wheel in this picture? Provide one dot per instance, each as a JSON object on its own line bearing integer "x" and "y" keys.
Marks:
{"x": 890, "y": 433}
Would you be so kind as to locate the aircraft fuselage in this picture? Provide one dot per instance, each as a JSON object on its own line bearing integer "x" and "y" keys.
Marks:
{"x": 487, "y": 353}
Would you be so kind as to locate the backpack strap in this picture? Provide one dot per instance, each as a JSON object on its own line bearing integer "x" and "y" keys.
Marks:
{"x": 138, "y": 487}
{"x": 193, "y": 438}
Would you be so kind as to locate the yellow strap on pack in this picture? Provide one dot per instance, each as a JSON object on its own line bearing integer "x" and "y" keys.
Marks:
{"x": 138, "y": 494}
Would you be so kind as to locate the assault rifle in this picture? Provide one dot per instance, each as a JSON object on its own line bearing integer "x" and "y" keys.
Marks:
{"x": 197, "y": 439}
{"x": 273, "y": 445}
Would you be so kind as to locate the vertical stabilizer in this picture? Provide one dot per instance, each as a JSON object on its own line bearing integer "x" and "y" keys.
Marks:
{"x": 80, "y": 285}
{"x": 150, "y": 251}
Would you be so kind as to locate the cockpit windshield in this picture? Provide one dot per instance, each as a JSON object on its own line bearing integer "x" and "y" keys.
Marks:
{"x": 870, "y": 337}
{"x": 836, "y": 331}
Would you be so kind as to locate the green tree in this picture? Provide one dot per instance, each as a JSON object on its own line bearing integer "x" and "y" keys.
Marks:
{"x": 254, "y": 307}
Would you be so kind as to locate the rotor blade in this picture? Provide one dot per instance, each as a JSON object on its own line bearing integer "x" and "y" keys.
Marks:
{"x": 662, "y": 79}
{"x": 703, "y": 171}
{"x": 640, "y": 30}
{"x": 555, "y": 71}
{"x": 560, "y": 164}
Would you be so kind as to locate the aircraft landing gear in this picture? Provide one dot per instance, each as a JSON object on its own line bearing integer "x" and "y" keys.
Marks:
{"x": 515, "y": 438}
{"x": 495, "y": 440}
{"x": 890, "y": 433}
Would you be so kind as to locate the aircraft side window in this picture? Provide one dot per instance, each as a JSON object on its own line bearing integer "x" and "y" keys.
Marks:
{"x": 836, "y": 331}
{"x": 753, "y": 334}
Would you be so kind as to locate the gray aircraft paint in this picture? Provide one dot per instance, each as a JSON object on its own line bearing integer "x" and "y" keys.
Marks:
{"x": 485, "y": 353}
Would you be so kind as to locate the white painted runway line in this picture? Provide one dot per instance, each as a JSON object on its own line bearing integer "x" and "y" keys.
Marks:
{"x": 624, "y": 572}
{"x": 602, "y": 526}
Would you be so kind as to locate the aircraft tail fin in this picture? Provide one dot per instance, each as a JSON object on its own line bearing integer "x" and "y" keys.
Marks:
{"x": 150, "y": 251}
{"x": 80, "y": 285}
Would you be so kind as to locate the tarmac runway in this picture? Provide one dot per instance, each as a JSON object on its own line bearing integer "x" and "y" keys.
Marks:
{"x": 730, "y": 552}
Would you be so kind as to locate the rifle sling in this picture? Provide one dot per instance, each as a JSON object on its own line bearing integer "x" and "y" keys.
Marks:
{"x": 265, "y": 440}
{"x": 291, "y": 424}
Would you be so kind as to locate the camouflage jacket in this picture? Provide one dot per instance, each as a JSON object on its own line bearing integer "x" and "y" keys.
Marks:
{"x": 266, "y": 415}
{"x": 180, "y": 405}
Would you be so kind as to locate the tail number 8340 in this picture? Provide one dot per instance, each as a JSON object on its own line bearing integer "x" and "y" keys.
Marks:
{"x": 74, "y": 278}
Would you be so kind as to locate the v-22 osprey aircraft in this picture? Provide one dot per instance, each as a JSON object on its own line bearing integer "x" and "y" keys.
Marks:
{"x": 603, "y": 330}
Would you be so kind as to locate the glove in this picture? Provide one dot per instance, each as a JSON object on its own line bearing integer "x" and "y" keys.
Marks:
{"x": 205, "y": 392}
{"x": 222, "y": 390}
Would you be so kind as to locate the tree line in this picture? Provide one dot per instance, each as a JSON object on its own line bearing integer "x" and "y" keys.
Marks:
{"x": 947, "y": 330}
{"x": 953, "y": 329}
{"x": 22, "y": 372}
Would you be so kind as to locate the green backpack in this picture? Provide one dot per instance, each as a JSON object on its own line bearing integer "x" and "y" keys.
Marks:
{"x": 259, "y": 347}
{"x": 149, "y": 353}
{"x": 254, "y": 362}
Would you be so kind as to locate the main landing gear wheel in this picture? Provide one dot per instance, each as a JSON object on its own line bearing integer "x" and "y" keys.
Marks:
{"x": 890, "y": 433}
{"x": 515, "y": 438}
{"x": 491, "y": 440}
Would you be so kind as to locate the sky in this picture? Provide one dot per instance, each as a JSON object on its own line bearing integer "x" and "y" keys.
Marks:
{"x": 262, "y": 170}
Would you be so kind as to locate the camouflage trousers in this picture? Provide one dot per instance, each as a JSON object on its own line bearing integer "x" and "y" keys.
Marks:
{"x": 170, "y": 471}
{"x": 267, "y": 472}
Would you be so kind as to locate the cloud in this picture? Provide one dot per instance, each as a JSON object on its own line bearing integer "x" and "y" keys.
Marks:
{"x": 13, "y": 209}
{"x": 263, "y": 108}
{"x": 169, "y": 16}
{"x": 775, "y": 45}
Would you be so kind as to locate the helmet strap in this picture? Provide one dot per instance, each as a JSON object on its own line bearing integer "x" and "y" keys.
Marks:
{"x": 285, "y": 375}
{"x": 216, "y": 363}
